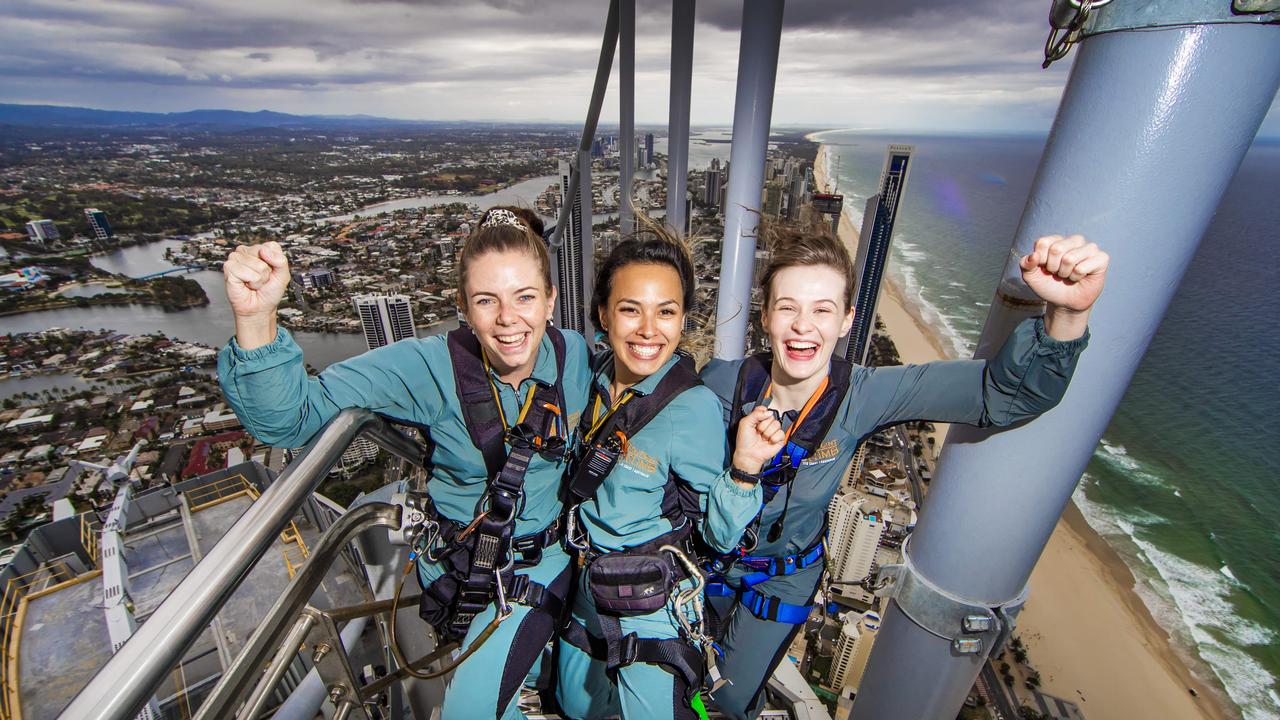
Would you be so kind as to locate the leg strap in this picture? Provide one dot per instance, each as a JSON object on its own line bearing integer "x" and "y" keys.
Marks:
{"x": 771, "y": 608}
{"x": 675, "y": 655}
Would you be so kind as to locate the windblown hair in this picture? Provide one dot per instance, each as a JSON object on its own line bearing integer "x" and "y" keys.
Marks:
{"x": 804, "y": 245}
{"x": 656, "y": 244}
{"x": 505, "y": 237}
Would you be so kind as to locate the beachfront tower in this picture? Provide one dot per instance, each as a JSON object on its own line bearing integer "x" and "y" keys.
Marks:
{"x": 854, "y": 537}
{"x": 857, "y": 636}
{"x": 648, "y": 149}
{"x": 98, "y": 222}
{"x": 384, "y": 318}
{"x": 873, "y": 249}
{"x": 569, "y": 266}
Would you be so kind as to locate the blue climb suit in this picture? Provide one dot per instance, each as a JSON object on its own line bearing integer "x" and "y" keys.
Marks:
{"x": 413, "y": 381}
{"x": 765, "y": 596}
{"x": 681, "y": 449}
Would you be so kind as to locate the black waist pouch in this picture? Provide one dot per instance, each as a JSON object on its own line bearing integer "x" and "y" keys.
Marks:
{"x": 631, "y": 583}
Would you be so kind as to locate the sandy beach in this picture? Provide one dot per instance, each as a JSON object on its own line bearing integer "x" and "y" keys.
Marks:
{"x": 1087, "y": 632}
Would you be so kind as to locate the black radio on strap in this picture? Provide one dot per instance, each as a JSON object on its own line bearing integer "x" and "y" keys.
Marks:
{"x": 507, "y": 454}
{"x": 590, "y": 467}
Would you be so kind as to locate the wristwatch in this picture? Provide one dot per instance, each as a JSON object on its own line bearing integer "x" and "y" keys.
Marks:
{"x": 745, "y": 477}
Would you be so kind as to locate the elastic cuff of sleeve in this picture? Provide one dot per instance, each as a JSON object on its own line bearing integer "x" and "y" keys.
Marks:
{"x": 1050, "y": 345}
{"x": 733, "y": 488}
{"x": 283, "y": 339}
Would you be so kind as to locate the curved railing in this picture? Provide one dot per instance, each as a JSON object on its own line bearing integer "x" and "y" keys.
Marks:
{"x": 121, "y": 689}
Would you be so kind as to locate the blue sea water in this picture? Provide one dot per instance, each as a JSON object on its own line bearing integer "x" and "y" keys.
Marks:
{"x": 1186, "y": 482}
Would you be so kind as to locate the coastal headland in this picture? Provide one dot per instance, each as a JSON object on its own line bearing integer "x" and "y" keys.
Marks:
{"x": 1086, "y": 630}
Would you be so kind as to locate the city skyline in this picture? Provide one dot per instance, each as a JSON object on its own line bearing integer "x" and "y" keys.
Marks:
{"x": 922, "y": 66}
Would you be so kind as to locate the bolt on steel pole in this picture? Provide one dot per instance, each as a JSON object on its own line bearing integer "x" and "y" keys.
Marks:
{"x": 626, "y": 113}
{"x": 1151, "y": 128}
{"x": 678, "y": 122}
{"x": 752, "y": 112}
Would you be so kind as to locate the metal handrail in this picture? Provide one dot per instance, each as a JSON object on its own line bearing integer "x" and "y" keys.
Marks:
{"x": 122, "y": 687}
{"x": 274, "y": 630}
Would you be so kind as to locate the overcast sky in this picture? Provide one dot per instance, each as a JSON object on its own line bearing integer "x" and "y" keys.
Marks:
{"x": 945, "y": 65}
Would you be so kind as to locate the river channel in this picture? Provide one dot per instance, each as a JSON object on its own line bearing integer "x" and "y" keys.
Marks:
{"x": 212, "y": 324}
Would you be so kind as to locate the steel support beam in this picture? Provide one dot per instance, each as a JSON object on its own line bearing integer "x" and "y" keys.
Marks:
{"x": 752, "y": 111}
{"x": 626, "y": 113}
{"x": 682, "y": 12}
{"x": 1138, "y": 160}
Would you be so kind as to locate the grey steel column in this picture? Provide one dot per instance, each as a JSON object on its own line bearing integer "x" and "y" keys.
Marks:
{"x": 1151, "y": 129}
{"x": 587, "y": 251}
{"x": 752, "y": 110}
{"x": 678, "y": 122}
{"x": 626, "y": 112}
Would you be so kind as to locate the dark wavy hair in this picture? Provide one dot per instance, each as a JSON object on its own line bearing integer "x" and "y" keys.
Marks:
{"x": 505, "y": 238}
{"x": 652, "y": 244}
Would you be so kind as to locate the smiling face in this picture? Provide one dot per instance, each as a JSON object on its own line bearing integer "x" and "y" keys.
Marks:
{"x": 643, "y": 318}
{"x": 507, "y": 304}
{"x": 805, "y": 317}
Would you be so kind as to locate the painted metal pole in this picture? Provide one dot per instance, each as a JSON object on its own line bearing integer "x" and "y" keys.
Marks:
{"x": 1151, "y": 129}
{"x": 752, "y": 111}
{"x": 587, "y": 244}
{"x": 626, "y": 112}
{"x": 678, "y": 121}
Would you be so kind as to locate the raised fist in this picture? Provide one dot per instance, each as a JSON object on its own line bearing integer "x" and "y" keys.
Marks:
{"x": 760, "y": 438}
{"x": 1066, "y": 271}
{"x": 256, "y": 278}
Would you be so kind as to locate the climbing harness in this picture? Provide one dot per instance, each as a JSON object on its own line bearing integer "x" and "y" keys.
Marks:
{"x": 642, "y": 579}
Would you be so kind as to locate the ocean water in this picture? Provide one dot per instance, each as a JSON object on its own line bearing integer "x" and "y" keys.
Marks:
{"x": 1186, "y": 482}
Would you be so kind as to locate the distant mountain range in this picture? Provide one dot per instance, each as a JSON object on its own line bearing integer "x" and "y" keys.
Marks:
{"x": 57, "y": 116}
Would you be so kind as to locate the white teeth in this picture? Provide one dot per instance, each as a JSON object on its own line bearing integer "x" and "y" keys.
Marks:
{"x": 510, "y": 339}
{"x": 645, "y": 351}
{"x": 794, "y": 345}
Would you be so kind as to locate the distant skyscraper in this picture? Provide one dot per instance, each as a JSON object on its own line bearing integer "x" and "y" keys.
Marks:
{"x": 855, "y": 535}
{"x": 570, "y": 268}
{"x": 873, "y": 248}
{"x": 597, "y": 149}
{"x": 648, "y": 148}
{"x": 42, "y": 231}
{"x": 853, "y": 649}
{"x": 711, "y": 181}
{"x": 640, "y": 153}
{"x": 98, "y": 221}
{"x": 385, "y": 318}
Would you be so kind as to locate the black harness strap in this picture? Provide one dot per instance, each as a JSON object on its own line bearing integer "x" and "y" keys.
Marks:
{"x": 631, "y": 418}
{"x": 675, "y": 655}
{"x": 490, "y": 545}
{"x": 753, "y": 377}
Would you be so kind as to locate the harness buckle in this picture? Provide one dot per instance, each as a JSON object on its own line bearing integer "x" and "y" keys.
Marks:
{"x": 628, "y": 649}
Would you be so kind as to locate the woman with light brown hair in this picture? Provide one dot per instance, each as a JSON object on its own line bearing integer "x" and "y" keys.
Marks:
{"x": 764, "y": 590}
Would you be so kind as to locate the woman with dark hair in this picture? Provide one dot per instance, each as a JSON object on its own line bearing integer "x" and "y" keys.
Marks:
{"x": 650, "y": 469}
{"x": 498, "y": 400}
{"x": 765, "y": 590}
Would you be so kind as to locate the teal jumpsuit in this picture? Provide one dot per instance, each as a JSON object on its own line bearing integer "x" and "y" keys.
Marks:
{"x": 1026, "y": 378}
{"x": 412, "y": 381}
{"x": 686, "y": 440}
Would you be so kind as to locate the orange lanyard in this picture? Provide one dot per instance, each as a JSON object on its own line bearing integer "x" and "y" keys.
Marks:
{"x": 597, "y": 421}
{"x": 804, "y": 412}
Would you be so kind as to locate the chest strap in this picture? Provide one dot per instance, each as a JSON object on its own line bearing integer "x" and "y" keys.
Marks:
{"x": 508, "y": 453}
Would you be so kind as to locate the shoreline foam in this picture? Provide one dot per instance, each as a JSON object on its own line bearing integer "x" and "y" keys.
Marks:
{"x": 1088, "y": 631}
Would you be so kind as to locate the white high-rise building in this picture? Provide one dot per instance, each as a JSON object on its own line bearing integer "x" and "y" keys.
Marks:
{"x": 42, "y": 231}
{"x": 857, "y": 636}
{"x": 385, "y": 318}
{"x": 854, "y": 537}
